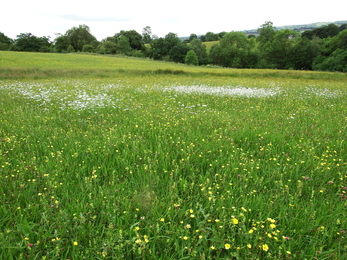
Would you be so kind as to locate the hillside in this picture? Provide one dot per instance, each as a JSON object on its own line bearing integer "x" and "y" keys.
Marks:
{"x": 297, "y": 27}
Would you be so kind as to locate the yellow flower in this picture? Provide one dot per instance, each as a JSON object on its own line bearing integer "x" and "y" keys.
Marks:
{"x": 272, "y": 226}
{"x": 249, "y": 246}
{"x": 288, "y": 252}
{"x": 185, "y": 238}
{"x": 227, "y": 246}
{"x": 250, "y": 231}
{"x": 235, "y": 221}
{"x": 75, "y": 243}
{"x": 265, "y": 247}
{"x": 212, "y": 247}
{"x": 137, "y": 228}
{"x": 162, "y": 219}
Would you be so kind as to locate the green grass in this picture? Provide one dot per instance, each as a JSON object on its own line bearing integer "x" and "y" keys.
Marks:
{"x": 118, "y": 161}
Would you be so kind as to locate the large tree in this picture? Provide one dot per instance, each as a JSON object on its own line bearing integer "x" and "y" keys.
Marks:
{"x": 135, "y": 39}
{"x": 200, "y": 50}
{"x": 234, "y": 50}
{"x": 79, "y": 36}
{"x": 147, "y": 34}
{"x": 31, "y": 43}
{"x": 5, "y": 42}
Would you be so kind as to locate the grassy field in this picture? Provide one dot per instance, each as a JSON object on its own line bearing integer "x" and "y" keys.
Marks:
{"x": 122, "y": 158}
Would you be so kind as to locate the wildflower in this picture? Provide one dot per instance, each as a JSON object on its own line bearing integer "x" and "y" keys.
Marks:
{"x": 227, "y": 246}
{"x": 235, "y": 221}
{"x": 187, "y": 226}
{"x": 265, "y": 247}
{"x": 288, "y": 252}
{"x": 137, "y": 228}
{"x": 212, "y": 247}
{"x": 138, "y": 241}
{"x": 200, "y": 237}
{"x": 249, "y": 246}
{"x": 185, "y": 238}
{"x": 272, "y": 226}
{"x": 162, "y": 219}
{"x": 75, "y": 243}
{"x": 250, "y": 231}
{"x": 145, "y": 237}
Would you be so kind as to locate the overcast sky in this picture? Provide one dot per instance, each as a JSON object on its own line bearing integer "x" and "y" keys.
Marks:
{"x": 183, "y": 17}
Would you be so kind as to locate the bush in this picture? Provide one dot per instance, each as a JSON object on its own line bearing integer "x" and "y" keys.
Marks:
{"x": 191, "y": 58}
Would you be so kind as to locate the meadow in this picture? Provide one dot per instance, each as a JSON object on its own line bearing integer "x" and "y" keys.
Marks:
{"x": 121, "y": 158}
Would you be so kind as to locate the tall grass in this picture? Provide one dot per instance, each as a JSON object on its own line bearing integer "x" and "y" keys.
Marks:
{"x": 172, "y": 166}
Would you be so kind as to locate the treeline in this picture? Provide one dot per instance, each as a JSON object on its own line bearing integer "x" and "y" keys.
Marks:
{"x": 323, "y": 48}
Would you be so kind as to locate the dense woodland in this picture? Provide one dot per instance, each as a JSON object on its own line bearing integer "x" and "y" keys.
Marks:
{"x": 323, "y": 48}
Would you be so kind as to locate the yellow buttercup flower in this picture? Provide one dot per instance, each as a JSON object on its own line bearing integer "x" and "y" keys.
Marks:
{"x": 227, "y": 246}
{"x": 265, "y": 247}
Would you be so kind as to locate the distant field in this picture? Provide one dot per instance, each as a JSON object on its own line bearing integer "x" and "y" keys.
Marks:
{"x": 209, "y": 45}
{"x": 107, "y": 157}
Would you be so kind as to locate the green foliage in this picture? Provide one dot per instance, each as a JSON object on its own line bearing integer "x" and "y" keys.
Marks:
{"x": 78, "y": 37}
{"x": 108, "y": 47}
{"x": 123, "y": 46}
{"x": 337, "y": 61}
{"x": 70, "y": 49}
{"x": 200, "y": 50}
{"x": 30, "y": 43}
{"x": 5, "y": 42}
{"x": 88, "y": 48}
{"x": 191, "y": 58}
{"x": 134, "y": 38}
{"x": 147, "y": 35}
{"x": 322, "y": 32}
{"x": 179, "y": 52}
{"x": 234, "y": 50}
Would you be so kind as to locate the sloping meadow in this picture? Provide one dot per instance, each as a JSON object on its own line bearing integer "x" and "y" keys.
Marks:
{"x": 166, "y": 166}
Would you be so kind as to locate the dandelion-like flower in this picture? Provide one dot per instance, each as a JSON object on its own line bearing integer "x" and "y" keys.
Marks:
{"x": 265, "y": 247}
{"x": 235, "y": 221}
{"x": 227, "y": 246}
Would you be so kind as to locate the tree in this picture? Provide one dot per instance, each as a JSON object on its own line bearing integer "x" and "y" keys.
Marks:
{"x": 233, "y": 50}
{"x": 108, "y": 47}
{"x": 147, "y": 34}
{"x": 70, "y": 49}
{"x": 79, "y": 36}
{"x": 191, "y": 58}
{"x": 322, "y": 32}
{"x": 210, "y": 36}
{"x": 5, "y": 42}
{"x": 337, "y": 61}
{"x": 280, "y": 49}
{"x": 134, "y": 38}
{"x": 192, "y": 37}
{"x": 179, "y": 52}
{"x": 303, "y": 53}
{"x": 123, "y": 46}
{"x": 88, "y": 48}
{"x": 200, "y": 50}
{"x": 61, "y": 43}
{"x": 31, "y": 43}
{"x": 266, "y": 35}
{"x": 158, "y": 49}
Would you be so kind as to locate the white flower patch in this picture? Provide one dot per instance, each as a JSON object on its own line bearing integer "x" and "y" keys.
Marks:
{"x": 322, "y": 92}
{"x": 67, "y": 94}
{"x": 237, "y": 91}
